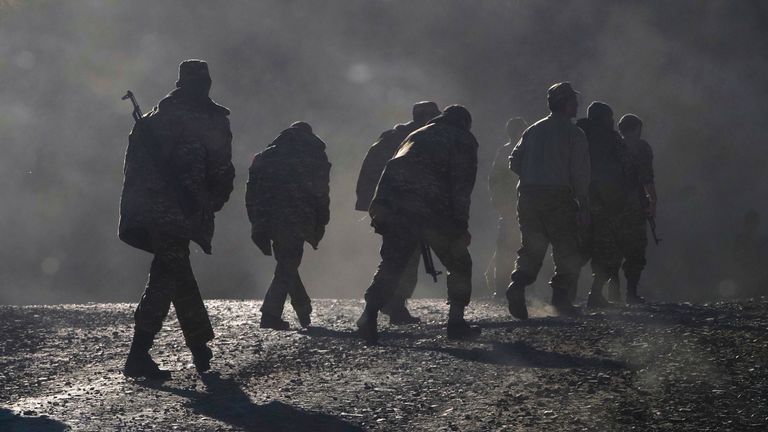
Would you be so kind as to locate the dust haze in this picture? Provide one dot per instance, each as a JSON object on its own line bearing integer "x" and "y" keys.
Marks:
{"x": 695, "y": 71}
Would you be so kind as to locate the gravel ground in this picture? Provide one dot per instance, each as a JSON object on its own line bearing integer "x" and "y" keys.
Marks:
{"x": 663, "y": 367}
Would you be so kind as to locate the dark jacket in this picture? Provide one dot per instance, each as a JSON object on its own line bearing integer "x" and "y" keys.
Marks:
{"x": 288, "y": 187}
{"x": 376, "y": 159}
{"x": 609, "y": 188}
{"x": 178, "y": 172}
{"x": 430, "y": 179}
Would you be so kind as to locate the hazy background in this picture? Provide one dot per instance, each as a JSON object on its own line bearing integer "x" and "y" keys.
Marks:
{"x": 695, "y": 71}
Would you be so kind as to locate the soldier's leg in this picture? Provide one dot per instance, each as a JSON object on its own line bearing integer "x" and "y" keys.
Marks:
{"x": 633, "y": 242}
{"x": 396, "y": 307}
{"x": 560, "y": 222}
{"x": 605, "y": 258}
{"x": 534, "y": 243}
{"x": 167, "y": 265}
{"x": 398, "y": 245}
{"x": 300, "y": 300}
{"x": 286, "y": 273}
{"x": 505, "y": 256}
{"x": 453, "y": 253}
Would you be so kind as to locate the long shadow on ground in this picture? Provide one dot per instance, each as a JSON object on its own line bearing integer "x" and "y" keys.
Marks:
{"x": 225, "y": 401}
{"x": 12, "y": 422}
{"x": 522, "y": 354}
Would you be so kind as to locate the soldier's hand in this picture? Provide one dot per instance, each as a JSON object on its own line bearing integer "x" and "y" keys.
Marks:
{"x": 261, "y": 240}
{"x": 466, "y": 238}
{"x": 651, "y": 210}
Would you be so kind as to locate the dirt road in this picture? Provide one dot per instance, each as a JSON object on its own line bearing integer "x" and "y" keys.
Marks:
{"x": 659, "y": 367}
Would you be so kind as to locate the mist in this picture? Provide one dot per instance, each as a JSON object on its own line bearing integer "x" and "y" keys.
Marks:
{"x": 695, "y": 71}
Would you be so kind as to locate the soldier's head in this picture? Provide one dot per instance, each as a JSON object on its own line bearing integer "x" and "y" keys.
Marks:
{"x": 631, "y": 126}
{"x": 563, "y": 99}
{"x": 424, "y": 111}
{"x": 515, "y": 128}
{"x": 456, "y": 116}
{"x": 600, "y": 113}
{"x": 194, "y": 77}
{"x": 302, "y": 126}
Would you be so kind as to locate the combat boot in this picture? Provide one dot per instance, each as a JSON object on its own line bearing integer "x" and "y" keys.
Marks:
{"x": 516, "y": 301}
{"x": 367, "y": 327}
{"x": 304, "y": 315}
{"x": 139, "y": 363}
{"x": 269, "y": 321}
{"x": 458, "y": 328}
{"x": 201, "y": 357}
{"x": 400, "y": 315}
{"x": 596, "y": 300}
{"x": 614, "y": 293}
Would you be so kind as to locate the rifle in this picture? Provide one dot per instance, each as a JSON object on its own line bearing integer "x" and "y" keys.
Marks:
{"x": 429, "y": 263}
{"x": 187, "y": 201}
{"x": 652, "y": 223}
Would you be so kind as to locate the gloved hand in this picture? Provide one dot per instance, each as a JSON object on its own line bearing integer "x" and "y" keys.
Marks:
{"x": 261, "y": 240}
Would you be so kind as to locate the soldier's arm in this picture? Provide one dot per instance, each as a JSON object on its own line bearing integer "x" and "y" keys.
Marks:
{"x": 580, "y": 168}
{"x": 516, "y": 158}
{"x": 255, "y": 199}
{"x": 646, "y": 176}
{"x": 370, "y": 172}
{"x": 221, "y": 172}
{"x": 463, "y": 175}
{"x": 323, "y": 192}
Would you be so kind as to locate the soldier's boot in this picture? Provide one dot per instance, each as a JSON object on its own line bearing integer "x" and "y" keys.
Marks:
{"x": 399, "y": 314}
{"x": 458, "y": 328}
{"x": 269, "y": 321}
{"x": 367, "y": 326}
{"x": 305, "y": 316}
{"x": 632, "y": 297}
{"x": 516, "y": 301}
{"x": 201, "y": 357}
{"x": 563, "y": 305}
{"x": 596, "y": 300}
{"x": 139, "y": 363}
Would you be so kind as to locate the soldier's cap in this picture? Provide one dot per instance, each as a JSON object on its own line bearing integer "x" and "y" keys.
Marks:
{"x": 303, "y": 126}
{"x": 192, "y": 70}
{"x": 560, "y": 91}
{"x": 629, "y": 122}
{"x": 599, "y": 110}
{"x": 425, "y": 109}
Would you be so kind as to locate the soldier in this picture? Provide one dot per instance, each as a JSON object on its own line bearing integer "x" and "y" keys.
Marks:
{"x": 610, "y": 200}
{"x": 178, "y": 173}
{"x": 373, "y": 165}
{"x": 423, "y": 197}
{"x": 552, "y": 162}
{"x": 501, "y": 185}
{"x": 643, "y": 191}
{"x": 287, "y": 199}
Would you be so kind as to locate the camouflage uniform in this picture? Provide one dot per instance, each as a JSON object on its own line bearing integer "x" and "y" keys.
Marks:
{"x": 502, "y": 185}
{"x": 287, "y": 199}
{"x": 161, "y": 214}
{"x": 424, "y": 195}
{"x": 373, "y": 165}
{"x": 618, "y": 219}
{"x": 639, "y": 156}
{"x": 552, "y": 162}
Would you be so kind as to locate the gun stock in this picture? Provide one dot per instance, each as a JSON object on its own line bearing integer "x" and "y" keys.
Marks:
{"x": 429, "y": 263}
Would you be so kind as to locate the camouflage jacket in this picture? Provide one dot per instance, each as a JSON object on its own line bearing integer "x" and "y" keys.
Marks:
{"x": 177, "y": 185}
{"x": 430, "y": 179}
{"x": 376, "y": 159}
{"x": 610, "y": 166}
{"x": 502, "y": 183}
{"x": 288, "y": 187}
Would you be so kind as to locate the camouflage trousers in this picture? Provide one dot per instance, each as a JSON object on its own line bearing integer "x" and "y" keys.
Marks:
{"x": 288, "y": 252}
{"x": 400, "y": 241}
{"x": 617, "y": 237}
{"x": 171, "y": 281}
{"x": 548, "y": 216}
{"x": 408, "y": 281}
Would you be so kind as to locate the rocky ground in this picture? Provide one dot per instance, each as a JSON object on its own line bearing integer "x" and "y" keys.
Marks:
{"x": 660, "y": 367}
